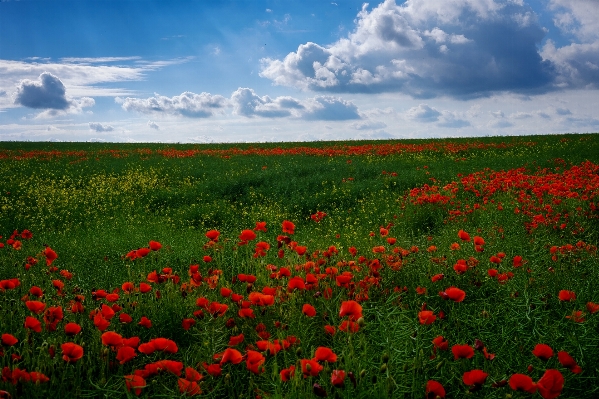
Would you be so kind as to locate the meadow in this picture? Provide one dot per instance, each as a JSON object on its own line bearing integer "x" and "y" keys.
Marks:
{"x": 407, "y": 269}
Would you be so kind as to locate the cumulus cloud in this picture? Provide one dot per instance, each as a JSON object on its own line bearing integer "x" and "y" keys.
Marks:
{"x": 187, "y": 104}
{"x": 98, "y": 127}
{"x": 461, "y": 48}
{"x": 247, "y": 103}
{"x": 153, "y": 125}
{"x": 368, "y": 125}
{"x": 423, "y": 113}
{"x": 48, "y": 92}
{"x": 451, "y": 120}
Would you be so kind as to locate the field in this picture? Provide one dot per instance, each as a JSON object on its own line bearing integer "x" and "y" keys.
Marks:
{"x": 406, "y": 269}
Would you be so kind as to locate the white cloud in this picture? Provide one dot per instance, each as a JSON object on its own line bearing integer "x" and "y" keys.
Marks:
{"x": 426, "y": 49}
{"x": 47, "y": 92}
{"x": 368, "y": 125}
{"x": 153, "y": 125}
{"x": 98, "y": 127}
{"x": 423, "y": 113}
{"x": 187, "y": 104}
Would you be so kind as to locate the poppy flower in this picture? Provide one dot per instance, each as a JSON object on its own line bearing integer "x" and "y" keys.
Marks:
{"x": 329, "y": 329}
{"x": 324, "y": 354}
{"x": 592, "y": 307}
{"x": 36, "y": 291}
{"x": 9, "y": 340}
{"x": 479, "y": 241}
{"x": 288, "y": 227}
{"x": 212, "y": 235}
{"x": 522, "y": 382}
{"x": 455, "y": 294}
{"x": 310, "y": 367}
{"x": 287, "y": 374}
{"x": 463, "y": 235}
{"x": 71, "y": 352}
{"x": 309, "y": 310}
{"x": 110, "y": 338}
{"x": 517, "y": 261}
{"x": 426, "y": 317}
{"x": 72, "y": 329}
{"x": 551, "y": 384}
{"x": 441, "y": 343}
{"x": 247, "y": 235}
{"x": 231, "y": 356}
{"x": 437, "y": 277}
{"x": 143, "y": 252}
{"x": 33, "y": 324}
{"x": 165, "y": 345}
{"x": 144, "y": 288}
{"x": 37, "y": 377}
{"x": 352, "y": 309}
{"x": 155, "y": 245}
{"x": 349, "y": 326}
{"x": 36, "y": 307}
{"x": 236, "y": 339}
{"x": 337, "y": 378}
{"x": 145, "y": 322}
{"x": 565, "y": 295}
{"x": 434, "y": 390}
{"x": 125, "y": 353}
{"x": 213, "y": 369}
{"x": 125, "y": 318}
{"x": 568, "y": 361}
{"x": 135, "y": 382}
{"x": 50, "y": 255}
{"x": 474, "y": 377}
{"x": 577, "y": 316}
{"x": 542, "y": 351}
{"x": 187, "y": 323}
{"x": 462, "y": 352}
{"x": 189, "y": 388}
{"x": 254, "y": 360}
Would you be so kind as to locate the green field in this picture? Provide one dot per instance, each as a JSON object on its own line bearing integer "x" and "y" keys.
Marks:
{"x": 387, "y": 238}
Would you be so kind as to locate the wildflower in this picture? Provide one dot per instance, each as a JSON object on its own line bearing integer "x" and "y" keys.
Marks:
{"x": 36, "y": 307}
{"x": 33, "y": 324}
{"x": 324, "y": 354}
{"x": 592, "y": 307}
{"x": 551, "y": 384}
{"x": 441, "y": 343}
{"x": 9, "y": 340}
{"x": 72, "y": 329}
{"x": 337, "y": 378}
{"x": 352, "y": 309}
{"x": 543, "y": 351}
{"x": 155, "y": 245}
{"x": 349, "y": 326}
{"x": 212, "y": 369}
{"x": 463, "y": 235}
{"x": 125, "y": 354}
{"x": 254, "y": 360}
{"x": 288, "y": 227}
{"x": 426, "y": 317}
{"x": 247, "y": 235}
{"x": 474, "y": 377}
{"x": 437, "y": 277}
{"x": 287, "y": 374}
{"x": 522, "y": 382}
{"x": 434, "y": 390}
{"x": 231, "y": 356}
{"x": 309, "y": 310}
{"x": 71, "y": 352}
{"x": 455, "y": 294}
{"x": 565, "y": 295}
{"x": 260, "y": 226}
{"x": 310, "y": 367}
{"x": 145, "y": 322}
{"x": 462, "y": 352}
{"x": 577, "y": 316}
{"x": 479, "y": 241}
{"x": 212, "y": 235}
{"x": 568, "y": 361}
{"x": 135, "y": 382}
{"x": 50, "y": 255}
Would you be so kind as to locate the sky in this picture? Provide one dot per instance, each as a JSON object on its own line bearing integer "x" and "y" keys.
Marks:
{"x": 278, "y": 70}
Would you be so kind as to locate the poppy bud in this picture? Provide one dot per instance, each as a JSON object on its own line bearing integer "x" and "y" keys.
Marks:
{"x": 298, "y": 351}
{"x": 227, "y": 379}
{"x": 478, "y": 344}
{"x": 319, "y": 391}
{"x": 383, "y": 368}
{"x": 352, "y": 377}
{"x": 385, "y": 357}
{"x": 317, "y": 294}
{"x": 361, "y": 322}
{"x": 362, "y": 373}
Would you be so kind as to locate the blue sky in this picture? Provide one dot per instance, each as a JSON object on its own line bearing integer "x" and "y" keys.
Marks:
{"x": 239, "y": 71}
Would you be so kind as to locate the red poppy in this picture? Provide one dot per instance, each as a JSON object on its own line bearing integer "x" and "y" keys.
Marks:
{"x": 337, "y": 378}
{"x": 517, "y": 261}
{"x": 165, "y": 345}
{"x": 296, "y": 282}
{"x": 260, "y": 226}
{"x": 125, "y": 318}
{"x": 132, "y": 342}
{"x": 188, "y": 323}
{"x": 236, "y": 340}
{"x": 463, "y": 235}
{"x": 426, "y": 317}
{"x": 441, "y": 343}
{"x": 551, "y": 384}
{"x": 110, "y": 338}
{"x": 349, "y": 326}
{"x": 568, "y": 361}
{"x": 72, "y": 329}
{"x": 143, "y": 252}
{"x": 310, "y": 367}
{"x": 155, "y": 245}
{"x": 592, "y": 307}
{"x": 135, "y": 382}
{"x": 565, "y": 295}
{"x": 50, "y": 255}
{"x": 128, "y": 287}
{"x": 308, "y": 310}
{"x": 474, "y": 377}
{"x": 247, "y": 235}
{"x": 144, "y": 288}
{"x": 479, "y": 241}
{"x": 145, "y": 322}
{"x": 71, "y": 352}
{"x": 36, "y": 291}
{"x": 437, "y": 277}
{"x": 189, "y": 388}
{"x": 36, "y": 307}
{"x": 37, "y": 377}
{"x": 33, "y": 324}
{"x": 522, "y": 382}
{"x": 324, "y": 354}
{"x": 352, "y": 309}
{"x": 287, "y": 374}
{"x": 213, "y": 235}
{"x": 212, "y": 369}
{"x": 9, "y": 340}
{"x": 455, "y": 294}
{"x": 462, "y": 352}
{"x": 542, "y": 351}
{"x": 288, "y": 227}
{"x": 231, "y": 356}
{"x": 125, "y": 353}
{"x": 434, "y": 390}
{"x": 254, "y": 360}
